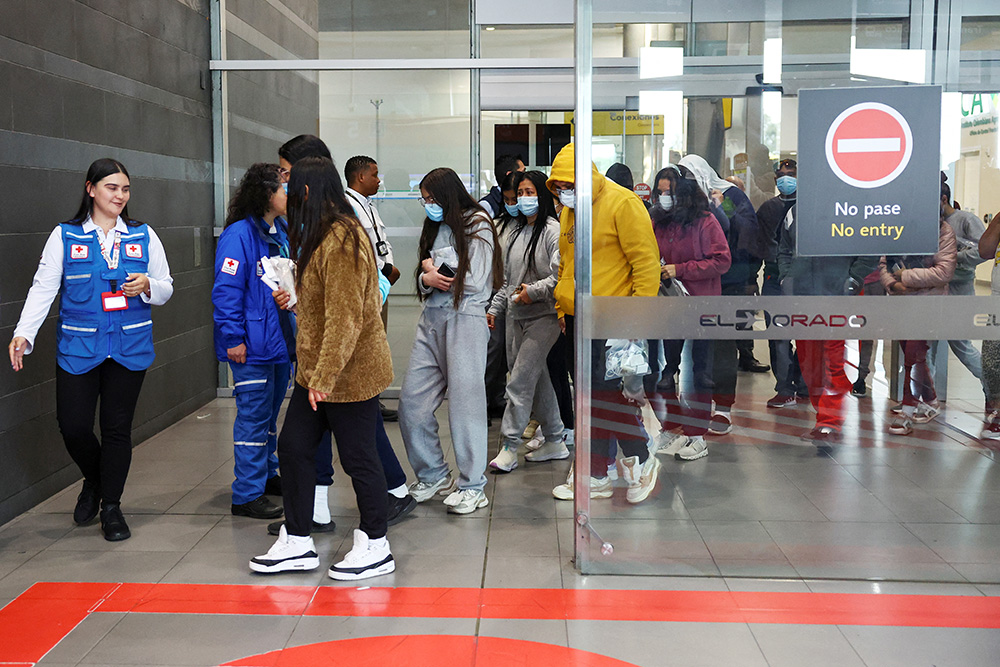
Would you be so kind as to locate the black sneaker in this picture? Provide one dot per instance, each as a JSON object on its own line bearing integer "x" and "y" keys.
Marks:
{"x": 328, "y": 527}
{"x": 259, "y": 508}
{"x": 781, "y": 401}
{"x": 751, "y": 365}
{"x": 400, "y": 507}
{"x": 113, "y": 523}
{"x": 822, "y": 434}
{"x": 88, "y": 503}
{"x": 387, "y": 414}
{"x": 272, "y": 487}
{"x": 859, "y": 389}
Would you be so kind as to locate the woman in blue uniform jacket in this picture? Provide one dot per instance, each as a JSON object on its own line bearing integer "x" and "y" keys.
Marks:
{"x": 107, "y": 270}
{"x": 253, "y": 335}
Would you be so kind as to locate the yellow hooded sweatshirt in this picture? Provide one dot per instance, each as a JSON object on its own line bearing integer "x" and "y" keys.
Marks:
{"x": 626, "y": 258}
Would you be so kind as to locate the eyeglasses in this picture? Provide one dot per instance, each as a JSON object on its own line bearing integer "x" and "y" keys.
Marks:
{"x": 426, "y": 200}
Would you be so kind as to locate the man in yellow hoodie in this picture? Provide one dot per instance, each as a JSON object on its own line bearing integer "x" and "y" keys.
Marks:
{"x": 625, "y": 262}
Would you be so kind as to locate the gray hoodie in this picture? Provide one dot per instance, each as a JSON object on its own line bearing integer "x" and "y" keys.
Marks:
{"x": 540, "y": 278}
{"x": 478, "y": 279}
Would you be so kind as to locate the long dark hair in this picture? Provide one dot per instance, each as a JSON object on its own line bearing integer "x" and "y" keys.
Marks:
{"x": 546, "y": 210}
{"x": 690, "y": 204}
{"x": 460, "y": 208}
{"x": 503, "y": 218}
{"x": 302, "y": 146}
{"x": 99, "y": 170}
{"x": 667, "y": 173}
{"x": 253, "y": 195}
{"x": 312, "y": 216}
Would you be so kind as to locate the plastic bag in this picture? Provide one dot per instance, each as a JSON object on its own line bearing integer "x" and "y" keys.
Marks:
{"x": 279, "y": 273}
{"x": 625, "y": 357}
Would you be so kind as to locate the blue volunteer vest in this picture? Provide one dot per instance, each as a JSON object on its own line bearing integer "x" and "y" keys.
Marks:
{"x": 87, "y": 335}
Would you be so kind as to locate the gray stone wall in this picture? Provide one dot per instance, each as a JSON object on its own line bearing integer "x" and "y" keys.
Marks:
{"x": 84, "y": 79}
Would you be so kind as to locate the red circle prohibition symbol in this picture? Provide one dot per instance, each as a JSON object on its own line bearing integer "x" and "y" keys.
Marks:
{"x": 868, "y": 145}
{"x": 429, "y": 651}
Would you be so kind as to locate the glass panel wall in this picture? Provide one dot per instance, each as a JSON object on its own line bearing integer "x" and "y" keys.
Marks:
{"x": 899, "y": 465}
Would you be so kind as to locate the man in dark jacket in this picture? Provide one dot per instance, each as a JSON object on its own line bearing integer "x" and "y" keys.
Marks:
{"x": 784, "y": 364}
{"x": 821, "y": 361}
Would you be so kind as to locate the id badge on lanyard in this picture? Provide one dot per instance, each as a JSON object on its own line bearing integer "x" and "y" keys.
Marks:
{"x": 115, "y": 299}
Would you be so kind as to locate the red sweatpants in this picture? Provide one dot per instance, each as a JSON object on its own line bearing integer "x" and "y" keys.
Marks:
{"x": 822, "y": 364}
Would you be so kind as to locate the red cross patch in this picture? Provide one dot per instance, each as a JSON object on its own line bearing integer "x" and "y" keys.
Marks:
{"x": 79, "y": 251}
{"x": 230, "y": 266}
{"x": 133, "y": 250}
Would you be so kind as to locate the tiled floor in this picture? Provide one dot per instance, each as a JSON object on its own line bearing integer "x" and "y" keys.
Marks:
{"x": 875, "y": 551}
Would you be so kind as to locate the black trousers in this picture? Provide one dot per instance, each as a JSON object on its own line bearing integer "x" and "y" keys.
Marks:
{"x": 559, "y": 375}
{"x": 353, "y": 428}
{"x": 103, "y": 462}
{"x": 726, "y": 363}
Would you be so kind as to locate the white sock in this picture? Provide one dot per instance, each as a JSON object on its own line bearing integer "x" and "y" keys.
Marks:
{"x": 400, "y": 491}
{"x": 321, "y": 505}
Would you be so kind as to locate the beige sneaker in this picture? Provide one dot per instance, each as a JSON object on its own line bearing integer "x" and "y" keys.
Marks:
{"x": 641, "y": 479}
{"x": 670, "y": 443}
{"x": 600, "y": 487}
{"x": 550, "y": 451}
{"x": 529, "y": 431}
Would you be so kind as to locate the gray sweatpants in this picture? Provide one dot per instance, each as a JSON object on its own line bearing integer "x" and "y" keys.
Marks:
{"x": 449, "y": 355}
{"x": 529, "y": 388}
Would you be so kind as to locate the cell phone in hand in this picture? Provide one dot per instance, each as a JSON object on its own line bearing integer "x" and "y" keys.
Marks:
{"x": 446, "y": 271}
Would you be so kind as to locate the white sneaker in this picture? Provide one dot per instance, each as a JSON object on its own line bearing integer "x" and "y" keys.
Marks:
{"x": 695, "y": 449}
{"x": 600, "y": 487}
{"x": 536, "y": 441}
{"x": 506, "y": 459}
{"x": 613, "y": 471}
{"x": 570, "y": 437}
{"x": 422, "y": 491}
{"x": 550, "y": 451}
{"x": 529, "y": 431}
{"x": 641, "y": 478}
{"x": 469, "y": 501}
{"x": 670, "y": 443}
{"x": 367, "y": 558}
{"x": 287, "y": 554}
{"x": 925, "y": 412}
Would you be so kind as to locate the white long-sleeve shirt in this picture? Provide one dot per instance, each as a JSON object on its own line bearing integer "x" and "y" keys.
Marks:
{"x": 369, "y": 218}
{"x": 48, "y": 278}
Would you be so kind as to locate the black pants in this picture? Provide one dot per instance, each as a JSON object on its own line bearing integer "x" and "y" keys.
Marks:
{"x": 103, "y": 462}
{"x": 353, "y": 428}
{"x": 615, "y": 420}
{"x": 496, "y": 370}
{"x": 559, "y": 375}
{"x": 726, "y": 363}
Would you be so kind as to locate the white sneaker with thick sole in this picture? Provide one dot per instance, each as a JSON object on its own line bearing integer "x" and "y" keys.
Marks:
{"x": 469, "y": 501}
{"x": 926, "y": 412}
{"x": 670, "y": 443}
{"x": 550, "y": 451}
{"x": 694, "y": 450}
{"x": 367, "y": 558}
{"x": 287, "y": 554}
{"x": 641, "y": 479}
{"x": 506, "y": 459}
{"x": 600, "y": 487}
{"x": 422, "y": 491}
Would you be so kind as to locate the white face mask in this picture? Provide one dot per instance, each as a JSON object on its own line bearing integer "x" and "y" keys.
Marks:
{"x": 666, "y": 201}
{"x": 568, "y": 198}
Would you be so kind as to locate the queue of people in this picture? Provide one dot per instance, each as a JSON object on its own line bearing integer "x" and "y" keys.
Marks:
{"x": 501, "y": 267}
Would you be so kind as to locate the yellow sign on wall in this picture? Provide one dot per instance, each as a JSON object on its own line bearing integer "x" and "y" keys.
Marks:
{"x": 609, "y": 123}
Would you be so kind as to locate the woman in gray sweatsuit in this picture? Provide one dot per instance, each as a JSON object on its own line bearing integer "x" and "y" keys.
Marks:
{"x": 459, "y": 269}
{"x": 531, "y": 267}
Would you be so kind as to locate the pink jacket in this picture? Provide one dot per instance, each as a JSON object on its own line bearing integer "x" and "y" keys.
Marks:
{"x": 935, "y": 274}
{"x": 700, "y": 252}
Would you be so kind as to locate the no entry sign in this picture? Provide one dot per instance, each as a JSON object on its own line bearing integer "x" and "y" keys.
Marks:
{"x": 869, "y": 145}
{"x": 868, "y": 171}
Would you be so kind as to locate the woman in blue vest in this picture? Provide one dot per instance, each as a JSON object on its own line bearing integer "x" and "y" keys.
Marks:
{"x": 253, "y": 335}
{"x": 107, "y": 270}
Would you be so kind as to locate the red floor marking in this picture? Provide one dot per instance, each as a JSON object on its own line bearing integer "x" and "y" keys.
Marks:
{"x": 41, "y": 616}
{"x": 429, "y": 651}
{"x": 37, "y": 620}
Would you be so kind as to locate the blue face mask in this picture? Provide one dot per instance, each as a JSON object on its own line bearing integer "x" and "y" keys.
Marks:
{"x": 786, "y": 185}
{"x": 512, "y": 209}
{"x": 284, "y": 186}
{"x": 434, "y": 212}
{"x": 529, "y": 205}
